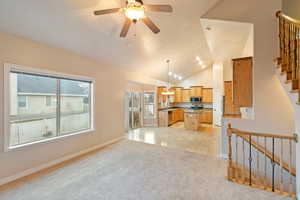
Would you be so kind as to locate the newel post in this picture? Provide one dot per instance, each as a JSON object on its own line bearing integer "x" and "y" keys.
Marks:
{"x": 229, "y": 134}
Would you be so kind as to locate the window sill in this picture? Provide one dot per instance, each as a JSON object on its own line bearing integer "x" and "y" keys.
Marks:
{"x": 8, "y": 149}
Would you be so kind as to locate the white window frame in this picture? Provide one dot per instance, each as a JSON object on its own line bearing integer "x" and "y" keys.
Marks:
{"x": 8, "y": 68}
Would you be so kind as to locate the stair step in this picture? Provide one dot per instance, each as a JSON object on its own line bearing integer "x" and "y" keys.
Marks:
{"x": 295, "y": 91}
{"x": 288, "y": 81}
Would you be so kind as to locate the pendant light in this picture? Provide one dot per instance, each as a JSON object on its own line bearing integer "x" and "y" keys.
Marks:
{"x": 168, "y": 92}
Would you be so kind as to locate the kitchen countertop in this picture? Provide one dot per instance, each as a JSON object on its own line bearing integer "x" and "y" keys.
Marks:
{"x": 186, "y": 110}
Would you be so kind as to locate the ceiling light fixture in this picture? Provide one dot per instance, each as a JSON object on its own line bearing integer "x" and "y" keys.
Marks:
{"x": 135, "y": 11}
{"x": 168, "y": 92}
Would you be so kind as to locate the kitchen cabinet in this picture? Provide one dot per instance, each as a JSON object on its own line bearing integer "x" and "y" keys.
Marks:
{"x": 191, "y": 121}
{"x": 206, "y": 116}
{"x": 229, "y": 107}
{"x": 242, "y": 82}
{"x": 178, "y": 94}
{"x": 177, "y": 115}
{"x": 196, "y": 91}
{"x": 186, "y": 95}
{"x": 161, "y": 98}
{"x": 207, "y": 95}
{"x": 163, "y": 119}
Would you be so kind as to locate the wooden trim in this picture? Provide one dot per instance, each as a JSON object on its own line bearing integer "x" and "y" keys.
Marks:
{"x": 196, "y": 86}
{"x": 243, "y": 58}
{"x": 238, "y": 132}
{"x": 290, "y": 19}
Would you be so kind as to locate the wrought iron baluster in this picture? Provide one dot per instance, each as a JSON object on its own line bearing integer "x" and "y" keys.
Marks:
{"x": 244, "y": 178}
{"x": 281, "y": 165}
{"x": 257, "y": 161}
{"x": 250, "y": 161}
{"x": 236, "y": 158}
{"x": 290, "y": 167}
{"x": 273, "y": 165}
{"x": 265, "y": 153}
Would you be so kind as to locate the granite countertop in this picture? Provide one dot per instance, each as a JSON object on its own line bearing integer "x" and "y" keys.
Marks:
{"x": 186, "y": 110}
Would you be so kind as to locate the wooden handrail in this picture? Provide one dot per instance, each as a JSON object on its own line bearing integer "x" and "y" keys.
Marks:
{"x": 288, "y": 18}
{"x": 241, "y": 133}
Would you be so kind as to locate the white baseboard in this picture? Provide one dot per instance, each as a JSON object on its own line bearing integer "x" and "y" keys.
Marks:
{"x": 55, "y": 162}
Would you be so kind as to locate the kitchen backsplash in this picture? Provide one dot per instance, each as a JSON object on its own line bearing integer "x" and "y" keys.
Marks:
{"x": 184, "y": 105}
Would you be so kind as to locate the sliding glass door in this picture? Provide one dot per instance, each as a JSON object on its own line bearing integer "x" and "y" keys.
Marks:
{"x": 149, "y": 114}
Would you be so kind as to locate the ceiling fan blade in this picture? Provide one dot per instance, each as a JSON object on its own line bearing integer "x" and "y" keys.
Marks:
{"x": 126, "y": 27}
{"x": 151, "y": 25}
{"x": 107, "y": 11}
{"x": 159, "y": 8}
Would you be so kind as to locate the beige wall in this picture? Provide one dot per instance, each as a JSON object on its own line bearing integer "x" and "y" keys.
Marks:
{"x": 202, "y": 78}
{"x": 248, "y": 50}
{"x": 110, "y": 87}
{"x": 291, "y": 8}
{"x": 278, "y": 116}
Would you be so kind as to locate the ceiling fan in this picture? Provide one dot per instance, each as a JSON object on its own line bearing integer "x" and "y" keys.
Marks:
{"x": 135, "y": 11}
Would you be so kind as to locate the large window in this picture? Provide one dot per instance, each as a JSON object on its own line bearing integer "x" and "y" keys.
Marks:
{"x": 43, "y": 106}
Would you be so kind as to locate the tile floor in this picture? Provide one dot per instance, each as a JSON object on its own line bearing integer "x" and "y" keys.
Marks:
{"x": 204, "y": 141}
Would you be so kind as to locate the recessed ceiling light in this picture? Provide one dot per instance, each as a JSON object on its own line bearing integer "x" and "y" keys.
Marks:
{"x": 198, "y": 58}
{"x": 175, "y": 75}
{"x": 180, "y": 78}
{"x": 170, "y": 73}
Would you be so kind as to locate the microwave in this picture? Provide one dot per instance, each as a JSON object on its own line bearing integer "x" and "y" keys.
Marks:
{"x": 196, "y": 99}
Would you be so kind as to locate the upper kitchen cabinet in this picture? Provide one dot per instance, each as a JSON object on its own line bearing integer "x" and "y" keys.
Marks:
{"x": 196, "y": 91}
{"x": 207, "y": 95}
{"x": 161, "y": 98}
{"x": 178, "y": 94}
{"x": 242, "y": 82}
{"x": 186, "y": 95}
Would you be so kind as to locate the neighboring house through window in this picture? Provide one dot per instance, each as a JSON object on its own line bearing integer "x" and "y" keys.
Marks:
{"x": 48, "y": 101}
{"x": 56, "y": 106}
{"x": 22, "y": 101}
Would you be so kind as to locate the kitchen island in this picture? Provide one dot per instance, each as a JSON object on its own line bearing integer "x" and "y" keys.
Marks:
{"x": 193, "y": 118}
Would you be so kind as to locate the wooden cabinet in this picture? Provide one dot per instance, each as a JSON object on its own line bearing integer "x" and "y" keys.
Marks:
{"x": 207, "y": 95}
{"x": 186, "y": 95}
{"x": 242, "y": 82}
{"x": 178, "y": 94}
{"x": 191, "y": 121}
{"x": 161, "y": 98}
{"x": 229, "y": 107}
{"x": 177, "y": 115}
{"x": 206, "y": 116}
{"x": 196, "y": 91}
{"x": 163, "y": 119}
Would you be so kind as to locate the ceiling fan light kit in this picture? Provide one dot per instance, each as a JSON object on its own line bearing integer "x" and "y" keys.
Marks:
{"x": 135, "y": 11}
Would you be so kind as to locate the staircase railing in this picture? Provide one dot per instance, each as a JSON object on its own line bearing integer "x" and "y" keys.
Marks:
{"x": 253, "y": 160}
{"x": 289, "y": 42}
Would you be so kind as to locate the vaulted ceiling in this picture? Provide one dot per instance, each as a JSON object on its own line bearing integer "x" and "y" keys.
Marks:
{"x": 70, "y": 24}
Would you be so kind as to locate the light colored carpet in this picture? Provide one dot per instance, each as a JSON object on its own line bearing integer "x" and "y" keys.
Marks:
{"x": 136, "y": 171}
